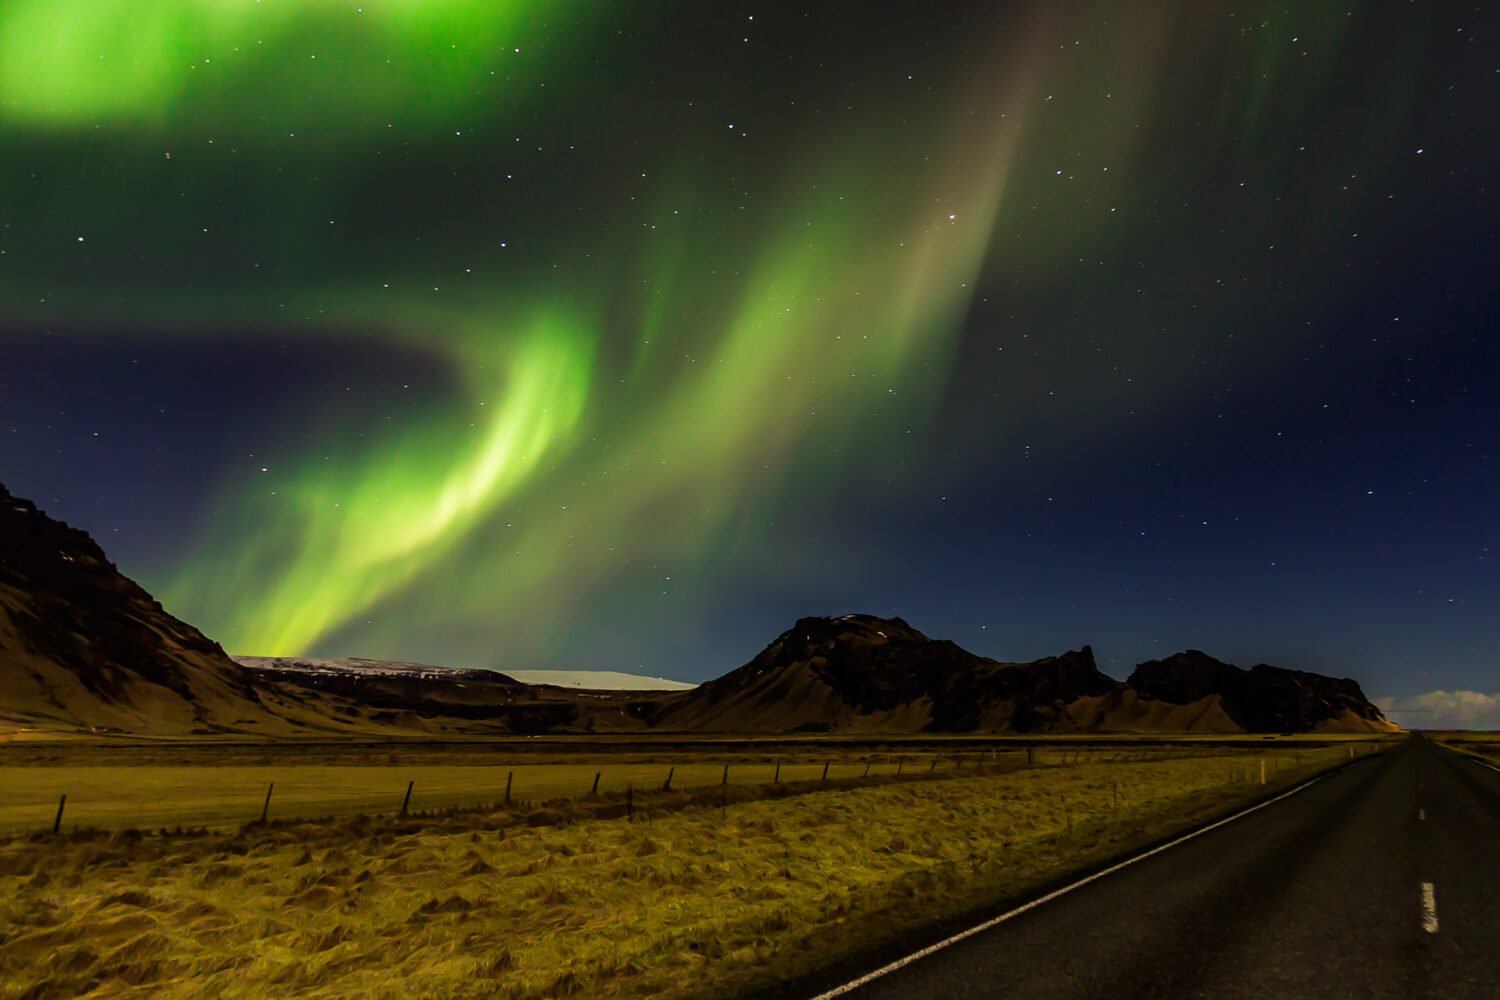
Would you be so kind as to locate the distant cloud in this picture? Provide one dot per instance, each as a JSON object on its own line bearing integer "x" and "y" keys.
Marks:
{"x": 1443, "y": 710}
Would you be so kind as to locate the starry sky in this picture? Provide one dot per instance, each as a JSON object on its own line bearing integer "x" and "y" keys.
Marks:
{"x": 594, "y": 335}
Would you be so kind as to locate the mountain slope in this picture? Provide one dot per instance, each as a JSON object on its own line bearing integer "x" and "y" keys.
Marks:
{"x": 83, "y": 647}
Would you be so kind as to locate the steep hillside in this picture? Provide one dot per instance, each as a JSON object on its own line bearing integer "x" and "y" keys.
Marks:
{"x": 83, "y": 647}
{"x": 1261, "y": 699}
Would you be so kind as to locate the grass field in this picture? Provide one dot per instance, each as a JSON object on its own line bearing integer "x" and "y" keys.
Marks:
{"x": 228, "y": 797}
{"x": 156, "y": 787}
{"x": 692, "y": 898}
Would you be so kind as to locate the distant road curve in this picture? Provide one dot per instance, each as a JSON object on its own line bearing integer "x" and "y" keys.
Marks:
{"x": 1382, "y": 880}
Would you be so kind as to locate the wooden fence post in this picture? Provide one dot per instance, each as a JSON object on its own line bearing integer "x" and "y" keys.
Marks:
{"x": 509, "y": 775}
{"x": 666, "y": 786}
{"x": 777, "y": 776}
{"x": 266, "y": 806}
{"x": 725, "y": 779}
{"x": 1028, "y": 755}
{"x": 867, "y": 769}
{"x": 407, "y": 801}
{"x": 57, "y": 823}
{"x": 899, "y": 762}
{"x": 933, "y": 766}
{"x": 595, "y": 789}
{"x": 825, "y": 770}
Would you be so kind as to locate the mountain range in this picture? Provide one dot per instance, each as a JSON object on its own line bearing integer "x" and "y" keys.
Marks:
{"x": 860, "y": 673}
{"x": 85, "y": 649}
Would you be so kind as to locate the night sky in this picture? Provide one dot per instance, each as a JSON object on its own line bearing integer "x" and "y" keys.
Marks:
{"x": 618, "y": 336}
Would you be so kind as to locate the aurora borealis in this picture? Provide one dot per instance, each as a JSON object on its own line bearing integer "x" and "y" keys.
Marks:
{"x": 601, "y": 336}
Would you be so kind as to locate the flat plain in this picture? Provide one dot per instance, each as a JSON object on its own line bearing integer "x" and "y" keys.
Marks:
{"x": 703, "y": 889}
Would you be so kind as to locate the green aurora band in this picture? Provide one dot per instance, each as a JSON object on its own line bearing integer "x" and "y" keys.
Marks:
{"x": 814, "y": 341}
{"x": 344, "y": 537}
{"x": 176, "y": 64}
{"x": 817, "y": 330}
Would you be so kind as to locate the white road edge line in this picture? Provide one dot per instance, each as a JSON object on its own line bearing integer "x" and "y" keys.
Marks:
{"x": 1482, "y": 763}
{"x": 1429, "y": 909}
{"x": 900, "y": 963}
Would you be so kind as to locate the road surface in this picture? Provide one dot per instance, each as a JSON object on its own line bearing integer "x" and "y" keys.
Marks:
{"x": 1382, "y": 880}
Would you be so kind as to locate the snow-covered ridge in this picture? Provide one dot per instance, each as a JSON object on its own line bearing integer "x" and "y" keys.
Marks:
{"x": 590, "y": 680}
{"x": 598, "y": 680}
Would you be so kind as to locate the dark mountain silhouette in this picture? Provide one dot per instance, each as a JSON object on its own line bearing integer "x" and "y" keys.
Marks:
{"x": 1261, "y": 699}
{"x": 862, "y": 673}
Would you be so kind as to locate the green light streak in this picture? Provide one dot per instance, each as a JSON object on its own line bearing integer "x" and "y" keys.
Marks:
{"x": 244, "y": 66}
{"x": 343, "y": 538}
{"x": 838, "y": 334}
{"x": 850, "y": 317}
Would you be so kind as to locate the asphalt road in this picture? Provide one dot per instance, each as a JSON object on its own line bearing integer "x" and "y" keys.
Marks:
{"x": 1319, "y": 895}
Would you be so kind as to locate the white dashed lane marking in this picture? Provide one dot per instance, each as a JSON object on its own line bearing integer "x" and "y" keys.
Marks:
{"x": 1429, "y": 909}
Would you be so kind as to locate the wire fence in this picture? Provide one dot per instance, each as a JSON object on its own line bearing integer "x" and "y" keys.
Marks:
{"x": 226, "y": 797}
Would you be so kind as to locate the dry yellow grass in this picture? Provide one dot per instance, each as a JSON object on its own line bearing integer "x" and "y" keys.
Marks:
{"x": 224, "y": 796}
{"x": 684, "y": 903}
